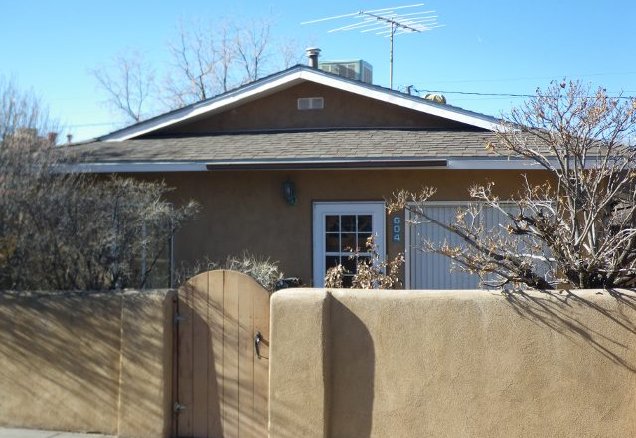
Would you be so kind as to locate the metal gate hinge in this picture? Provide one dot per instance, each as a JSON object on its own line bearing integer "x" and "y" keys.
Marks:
{"x": 178, "y": 407}
{"x": 178, "y": 318}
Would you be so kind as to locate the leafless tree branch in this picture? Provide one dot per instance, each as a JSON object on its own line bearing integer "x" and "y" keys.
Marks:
{"x": 578, "y": 229}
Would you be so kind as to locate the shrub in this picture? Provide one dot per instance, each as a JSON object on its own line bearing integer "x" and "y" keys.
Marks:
{"x": 261, "y": 269}
{"x": 371, "y": 273}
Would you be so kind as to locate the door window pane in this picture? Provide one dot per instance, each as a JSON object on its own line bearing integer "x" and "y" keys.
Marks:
{"x": 348, "y": 242}
{"x": 347, "y": 281}
{"x": 332, "y": 242}
{"x": 348, "y": 222}
{"x": 331, "y": 261}
{"x": 332, "y": 223}
{"x": 364, "y": 223}
{"x": 362, "y": 241}
{"x": 349, "y": 263}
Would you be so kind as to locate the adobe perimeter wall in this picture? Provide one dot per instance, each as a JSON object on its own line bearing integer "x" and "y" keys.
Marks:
{"x": 352, "y": 363}
{"x": 99, "y": 362}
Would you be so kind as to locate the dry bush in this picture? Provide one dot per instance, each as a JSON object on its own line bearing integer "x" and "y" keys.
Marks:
{"x": 265, "y": 271}
{"x": 371, "y": 272}
{"x": 71, "y": 231}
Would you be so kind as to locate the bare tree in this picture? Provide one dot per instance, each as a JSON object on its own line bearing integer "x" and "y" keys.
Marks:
{"x": 129, "y": 83}
{"x": 252, "y": 46}
{"x": 194, "y": 58}
{"x": 578, "y": 228}
{"x": 205, "y": 60}
{"x": 291, "y": 52}
{"x": 67, "y": 230}
{"x": 22, "y": 111}
{"x": 208, "y": 60}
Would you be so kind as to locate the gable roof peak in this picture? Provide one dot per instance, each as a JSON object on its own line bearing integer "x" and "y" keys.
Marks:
{"x": 293, "y": 76}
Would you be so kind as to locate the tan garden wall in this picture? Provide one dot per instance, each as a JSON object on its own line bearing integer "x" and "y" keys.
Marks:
{"x": 452, "y": 364}
{"x": 87, "y": 362}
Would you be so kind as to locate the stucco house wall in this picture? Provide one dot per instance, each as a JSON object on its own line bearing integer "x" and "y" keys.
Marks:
{"x": 280, "y": 111}
{"x": 245, "y": 210}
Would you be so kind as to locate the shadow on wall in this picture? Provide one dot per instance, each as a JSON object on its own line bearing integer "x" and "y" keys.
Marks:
{"x": 220, "y": 380}
{"x": 562, "y": 312}
{"x": 197, "y": 381}
{"x": 351, "y": 359}
{"x": 61, "y": 356}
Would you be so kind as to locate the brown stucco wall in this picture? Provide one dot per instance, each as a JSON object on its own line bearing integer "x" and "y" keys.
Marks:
{"x": 353, "y": 363}
{"x": 246, "y": 211}
{"x": 87, "y": 362}
{"x": 341, "y": 109}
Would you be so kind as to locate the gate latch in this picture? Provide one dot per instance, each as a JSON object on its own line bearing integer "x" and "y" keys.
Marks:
{"x": 178, "y": 407}
{"x": 257, "y": 341}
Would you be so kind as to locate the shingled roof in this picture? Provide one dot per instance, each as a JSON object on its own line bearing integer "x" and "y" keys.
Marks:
{"x": 320, "y": 145}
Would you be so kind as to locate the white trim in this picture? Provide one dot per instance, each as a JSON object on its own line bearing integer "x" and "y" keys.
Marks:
{"x": 243, "y": 94}
{"x": 141, "y": 167}
{"x": 376, "y": 209}
{"x": 410, "y": 102}
{"x": 192, "y": 166}
{"x": 493, "y": 164}
{"x": 289, "y": 78}
{"x": 407, "y": 249}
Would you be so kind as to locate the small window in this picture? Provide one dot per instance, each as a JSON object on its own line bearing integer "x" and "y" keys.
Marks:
{"x": 311, "y": 103}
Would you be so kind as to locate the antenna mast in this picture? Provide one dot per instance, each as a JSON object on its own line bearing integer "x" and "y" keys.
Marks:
{"x": 396, "y": 23}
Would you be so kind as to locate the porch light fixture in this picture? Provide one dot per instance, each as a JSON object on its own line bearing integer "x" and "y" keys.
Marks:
{"x": 289, "y": 192}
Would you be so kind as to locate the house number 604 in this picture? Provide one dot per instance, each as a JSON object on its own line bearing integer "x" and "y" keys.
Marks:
{"x": 397, "y": 229}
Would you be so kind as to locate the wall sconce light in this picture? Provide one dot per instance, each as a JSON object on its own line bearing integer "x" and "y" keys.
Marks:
{"x": 289, "y": 192}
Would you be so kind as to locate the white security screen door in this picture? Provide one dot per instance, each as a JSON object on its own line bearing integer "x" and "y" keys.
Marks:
{"x": 426, "y": 270}
{"x": 342, "y": 228}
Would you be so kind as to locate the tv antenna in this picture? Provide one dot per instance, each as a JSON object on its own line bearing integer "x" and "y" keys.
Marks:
{"x": 387, "y": 22}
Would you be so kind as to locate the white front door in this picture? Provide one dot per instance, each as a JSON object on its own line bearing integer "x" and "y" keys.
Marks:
{"x": 342, "y": 228}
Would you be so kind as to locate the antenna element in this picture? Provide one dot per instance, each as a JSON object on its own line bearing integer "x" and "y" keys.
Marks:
{"x": 388, "y": 23}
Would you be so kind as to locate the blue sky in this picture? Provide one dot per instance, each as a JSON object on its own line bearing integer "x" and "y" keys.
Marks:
{"x": 492, "y": 46}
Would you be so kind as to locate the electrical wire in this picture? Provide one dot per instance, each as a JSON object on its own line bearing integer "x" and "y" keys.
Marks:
{"x": 474, "y": 93}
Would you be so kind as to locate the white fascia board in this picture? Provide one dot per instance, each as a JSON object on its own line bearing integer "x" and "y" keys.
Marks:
{"x": 196, "y": 110}
{"x": 288, "y": 79}
{"x": 490, "y": 164}
{"x": 388, "y": 97}
{"x": 140, "y": 167}
{"x": 154, "y": 167}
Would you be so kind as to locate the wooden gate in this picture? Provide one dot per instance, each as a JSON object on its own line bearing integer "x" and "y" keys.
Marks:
{"x": 222, "y": 357}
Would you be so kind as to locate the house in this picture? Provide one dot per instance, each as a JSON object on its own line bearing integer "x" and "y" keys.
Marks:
{"x": 297, "y": 167}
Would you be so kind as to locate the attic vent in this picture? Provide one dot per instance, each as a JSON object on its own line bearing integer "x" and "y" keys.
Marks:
{"x": 311, "y": 103}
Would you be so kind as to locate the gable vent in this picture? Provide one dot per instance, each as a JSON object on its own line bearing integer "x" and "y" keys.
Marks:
{"x": 311, "y": 103}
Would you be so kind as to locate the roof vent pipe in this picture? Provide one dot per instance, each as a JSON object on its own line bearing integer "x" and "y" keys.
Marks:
{"x": 312, "y": 54}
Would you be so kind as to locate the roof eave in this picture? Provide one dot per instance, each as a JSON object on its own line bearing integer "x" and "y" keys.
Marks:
{"x": 451, "y": 163}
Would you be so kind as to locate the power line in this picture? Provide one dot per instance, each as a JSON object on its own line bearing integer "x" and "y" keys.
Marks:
{"x": 535, "y": 78}
{"x": 88, "y": 125}
{"x": 475, "y": 93}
